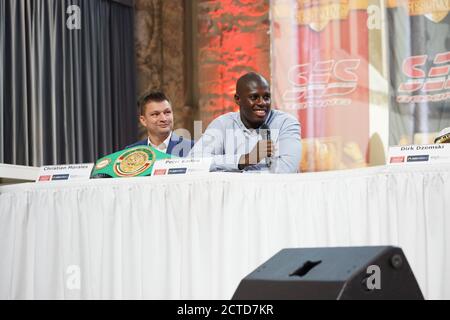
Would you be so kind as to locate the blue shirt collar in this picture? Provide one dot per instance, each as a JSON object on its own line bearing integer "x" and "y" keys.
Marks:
{"x": 242, "y": 125}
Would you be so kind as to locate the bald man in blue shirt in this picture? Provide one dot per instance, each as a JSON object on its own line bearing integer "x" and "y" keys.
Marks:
{"x": 256, "y": 138}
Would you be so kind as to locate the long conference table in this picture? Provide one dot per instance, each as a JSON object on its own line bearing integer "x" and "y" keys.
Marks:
{"x": 196, "y": 237}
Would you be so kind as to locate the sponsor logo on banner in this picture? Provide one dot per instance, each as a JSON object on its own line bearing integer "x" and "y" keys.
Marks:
{"x": 421, "y": 158}
{"x": 160, "y": 172}
{"x": 45, "y": 178}
{"x": 323, "y": 83}
{"x": 427, "y": 79}
{"x": 397, "y": 159}
{"x": 177, "y": 171}
{"x": 318, "y": 14}
{"x": 318, "y": 17}
{"x": 58, "y": 177}
{"x": 434, "y": 10}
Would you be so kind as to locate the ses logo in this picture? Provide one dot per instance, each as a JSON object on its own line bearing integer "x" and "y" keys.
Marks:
{"x": 425, "y": 82}
{"x": 322, "y": 84}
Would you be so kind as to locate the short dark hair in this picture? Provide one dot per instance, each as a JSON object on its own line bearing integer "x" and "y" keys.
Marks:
{"x": 152, "y": 96}
{"x": 248, "y": 77}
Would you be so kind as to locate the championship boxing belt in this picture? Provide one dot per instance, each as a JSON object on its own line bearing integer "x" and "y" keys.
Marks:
{"x": 443, "y": 139}
{"x": 443, "y": 136}
{"x": 132, "y": 162}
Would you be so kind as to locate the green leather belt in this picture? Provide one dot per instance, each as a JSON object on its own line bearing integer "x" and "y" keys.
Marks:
{"x": 132, "y": 162}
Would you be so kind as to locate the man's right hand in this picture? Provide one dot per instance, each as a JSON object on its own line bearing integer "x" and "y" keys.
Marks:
{"x": 263, "y": 149}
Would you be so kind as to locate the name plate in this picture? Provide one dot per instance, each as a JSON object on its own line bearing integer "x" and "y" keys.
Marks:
{"x": 71, "y": 172}
{"x": 181, "y": 166}
{"x": 416, "y": 154}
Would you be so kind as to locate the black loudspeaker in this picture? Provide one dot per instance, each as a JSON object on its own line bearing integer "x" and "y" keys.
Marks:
{"x": 354, "y": 273}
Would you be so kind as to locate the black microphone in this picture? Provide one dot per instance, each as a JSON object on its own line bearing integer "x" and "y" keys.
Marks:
{"x": 265, "y": 133}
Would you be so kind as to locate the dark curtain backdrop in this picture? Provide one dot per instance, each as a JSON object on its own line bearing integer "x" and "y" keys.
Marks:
{"x": 67, "y": 96}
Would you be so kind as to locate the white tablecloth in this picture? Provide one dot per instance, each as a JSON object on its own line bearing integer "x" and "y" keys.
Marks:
{"x": 196, "y": 237}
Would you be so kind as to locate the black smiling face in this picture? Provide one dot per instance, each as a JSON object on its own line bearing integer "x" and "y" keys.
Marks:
{"x": 254, "y": 100}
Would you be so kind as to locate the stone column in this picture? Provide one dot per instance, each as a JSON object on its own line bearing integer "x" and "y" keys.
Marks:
{"x": 160, "y": 52}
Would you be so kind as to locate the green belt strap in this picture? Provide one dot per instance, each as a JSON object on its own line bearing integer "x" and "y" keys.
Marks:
{"x": 132, "y": 162}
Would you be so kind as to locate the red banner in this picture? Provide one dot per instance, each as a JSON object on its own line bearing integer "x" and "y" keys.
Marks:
{"x": 419, "y": 44}
{"x": 326, "y": 84}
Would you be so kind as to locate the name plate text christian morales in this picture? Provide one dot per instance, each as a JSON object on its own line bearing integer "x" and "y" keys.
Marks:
{"x": 416, "y": 154}
{"x": 72, "y": 172}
